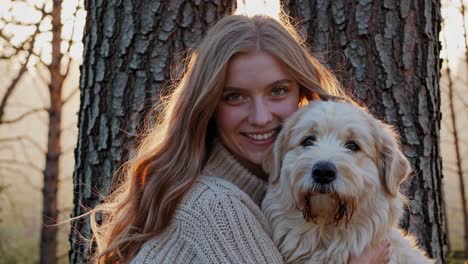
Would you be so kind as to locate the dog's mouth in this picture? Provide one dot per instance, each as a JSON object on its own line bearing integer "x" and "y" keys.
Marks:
{"x": 328, "y": 206}
{"x": 322, "y": 189}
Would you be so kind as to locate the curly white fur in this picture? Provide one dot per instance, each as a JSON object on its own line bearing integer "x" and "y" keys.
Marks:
{"x": 316, "y": 223}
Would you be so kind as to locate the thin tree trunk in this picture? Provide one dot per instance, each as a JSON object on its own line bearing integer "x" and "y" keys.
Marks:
{"x": 14, "y": 82}
{"x": 48, "y": 244}
{"x": 387, "y": 53}
{"x": 458, "y": 158}
{"x": 128, "y": 49}
{"x": 457, "y": 142}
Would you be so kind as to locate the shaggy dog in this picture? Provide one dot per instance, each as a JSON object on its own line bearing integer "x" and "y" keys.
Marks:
{"x": 334, "y": 183}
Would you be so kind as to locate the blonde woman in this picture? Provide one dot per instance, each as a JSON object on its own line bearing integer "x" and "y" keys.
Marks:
{"x": 193, "y": 191}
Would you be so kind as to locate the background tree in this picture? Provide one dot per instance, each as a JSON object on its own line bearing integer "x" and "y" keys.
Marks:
{"x": 455, "y": 108}
{"x": 387, "y": 52}
{"x": 52, "y": 61}
{"x": 128, "y": 50}
{"x": 389, "y": 49}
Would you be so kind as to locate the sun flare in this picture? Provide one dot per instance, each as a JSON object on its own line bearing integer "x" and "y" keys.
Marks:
{"x": 255, "y": 7}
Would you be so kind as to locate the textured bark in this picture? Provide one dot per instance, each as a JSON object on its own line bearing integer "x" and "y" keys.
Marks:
{"x": 128, "y": 49}
{"x": 390, "y": 50}
{"x": 49, "y": 230}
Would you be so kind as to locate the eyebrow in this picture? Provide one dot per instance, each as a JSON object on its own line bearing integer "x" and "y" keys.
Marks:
{"x": 281, "y": 81}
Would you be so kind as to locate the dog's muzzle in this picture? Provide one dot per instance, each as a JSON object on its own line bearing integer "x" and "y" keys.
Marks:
{"x": 324, "y": 172}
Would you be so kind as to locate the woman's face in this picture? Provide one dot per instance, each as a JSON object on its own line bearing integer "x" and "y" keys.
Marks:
{"x": 258, "y": 96}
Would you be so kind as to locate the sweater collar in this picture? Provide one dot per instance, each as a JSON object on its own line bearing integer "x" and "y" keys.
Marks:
{"x": 222, "y": 164}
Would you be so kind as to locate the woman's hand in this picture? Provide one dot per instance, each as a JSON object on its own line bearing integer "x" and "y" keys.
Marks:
{"x": 373, "y": 255}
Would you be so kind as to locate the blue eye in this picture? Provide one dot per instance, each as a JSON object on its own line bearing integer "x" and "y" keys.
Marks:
{"x": 278, "y": 91}
{"x": 233, "y": 97}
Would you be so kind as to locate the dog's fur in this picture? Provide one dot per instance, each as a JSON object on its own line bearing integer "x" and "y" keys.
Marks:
{"x": 317, "y": 223}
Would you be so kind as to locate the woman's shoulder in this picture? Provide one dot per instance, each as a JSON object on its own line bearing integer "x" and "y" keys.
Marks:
{"x": 213, "y": 211}
{"x": 208, "y": 190}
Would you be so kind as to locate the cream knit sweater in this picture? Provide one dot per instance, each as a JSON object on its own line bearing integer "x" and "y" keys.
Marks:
{"x": 218, "y": 221}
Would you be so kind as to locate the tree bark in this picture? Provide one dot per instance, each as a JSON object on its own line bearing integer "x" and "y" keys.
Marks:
{"x": 49, "y": 230}
{"x": 128, "y": 49}
{"x": 390, "y": 51}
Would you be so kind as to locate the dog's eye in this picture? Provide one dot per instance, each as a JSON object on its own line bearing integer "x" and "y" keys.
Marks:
{"x": 309, "y": 141}
{"x": 353, "y": 146}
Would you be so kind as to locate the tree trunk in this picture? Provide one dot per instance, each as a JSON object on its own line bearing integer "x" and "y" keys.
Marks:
{"x": 454, "y": 128}
{"x": 48, "y": 244}
{"x": 128, "y": 49}
{"x": 390, "y": 50}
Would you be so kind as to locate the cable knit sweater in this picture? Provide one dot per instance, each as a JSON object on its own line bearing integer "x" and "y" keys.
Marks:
{"x": 218, "y": 221}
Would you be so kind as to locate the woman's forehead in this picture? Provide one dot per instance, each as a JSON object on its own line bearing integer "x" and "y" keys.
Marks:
{"x": 256, "y": 67}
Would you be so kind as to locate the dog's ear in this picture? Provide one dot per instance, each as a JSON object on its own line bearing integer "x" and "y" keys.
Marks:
{"x": 392, "y": 163}
{"x": 273, "y": 159}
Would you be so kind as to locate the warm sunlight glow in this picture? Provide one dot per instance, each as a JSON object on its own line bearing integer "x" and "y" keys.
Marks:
{"x": 25, "y": 15}
{"x": 451, "y": 35}
{"x": 254, "y": 7}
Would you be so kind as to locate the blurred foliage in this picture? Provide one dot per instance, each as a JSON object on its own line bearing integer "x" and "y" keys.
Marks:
{"x": 456, "y": 257}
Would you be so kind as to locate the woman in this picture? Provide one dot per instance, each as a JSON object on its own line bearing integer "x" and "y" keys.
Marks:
{"x": 193, "y": 191}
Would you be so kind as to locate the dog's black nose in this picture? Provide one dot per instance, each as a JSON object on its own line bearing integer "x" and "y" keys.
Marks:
{"x": 324, "y": 172}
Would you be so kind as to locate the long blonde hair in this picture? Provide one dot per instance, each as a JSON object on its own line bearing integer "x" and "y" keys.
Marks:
{"x": 173, "y": 152}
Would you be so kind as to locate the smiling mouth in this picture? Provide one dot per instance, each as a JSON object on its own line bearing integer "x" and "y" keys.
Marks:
{"x": 261, "y": 136}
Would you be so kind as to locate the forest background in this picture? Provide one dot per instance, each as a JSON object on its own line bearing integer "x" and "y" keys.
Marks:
{"x": 27, "y": 57}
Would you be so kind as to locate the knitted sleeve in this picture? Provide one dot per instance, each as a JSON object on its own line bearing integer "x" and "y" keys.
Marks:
{"x": 227, "y": 230}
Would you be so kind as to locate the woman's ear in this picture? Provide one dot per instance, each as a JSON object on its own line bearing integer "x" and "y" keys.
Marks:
{"x": 392, "y": 163}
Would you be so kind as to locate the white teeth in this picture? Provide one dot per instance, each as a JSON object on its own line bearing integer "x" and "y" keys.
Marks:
{"x": 261, "y": 136}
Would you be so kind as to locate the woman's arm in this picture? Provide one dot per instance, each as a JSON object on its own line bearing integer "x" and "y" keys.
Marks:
{"x": 225, "y": 230}
{"x": 377, "y": 254}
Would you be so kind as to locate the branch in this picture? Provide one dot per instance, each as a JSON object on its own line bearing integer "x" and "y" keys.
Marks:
{"x": 27, "y": 139}
{"x": 465, "y": 38}
{"x": 15, "y": 81}
{"x": 68, "y": 150}
{"x": 30, "y": 39}
{"x": 77, "y": 89}
{"x": 14, "y": 120}
{"x": 11, "y": 88}
{"x": 22, "y": 163}
{"x": 64, "y": 209}
{"x": 42, "y": 77}
{"x": 16, "y": 50}
{"x": 461, "y": 98}
{"x": 70, "y": 42}
{"x": 25, "y": 177}
{"x": 458, "y": 157}
{"x": 446, "y": 141}
{"x": 40, "y": 9}
{"x": 450, "y": 169}
{"x": 68, "y": 127}
{"x": 446, "y": 125}
{"x": 21, "y": 46}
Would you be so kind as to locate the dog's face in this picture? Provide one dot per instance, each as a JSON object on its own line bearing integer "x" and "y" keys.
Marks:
{"x": 332, "y": 155}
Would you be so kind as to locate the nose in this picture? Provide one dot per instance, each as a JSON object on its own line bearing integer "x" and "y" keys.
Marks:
{"x": 324, "y": 172}
{"x": 260, "y": 114}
